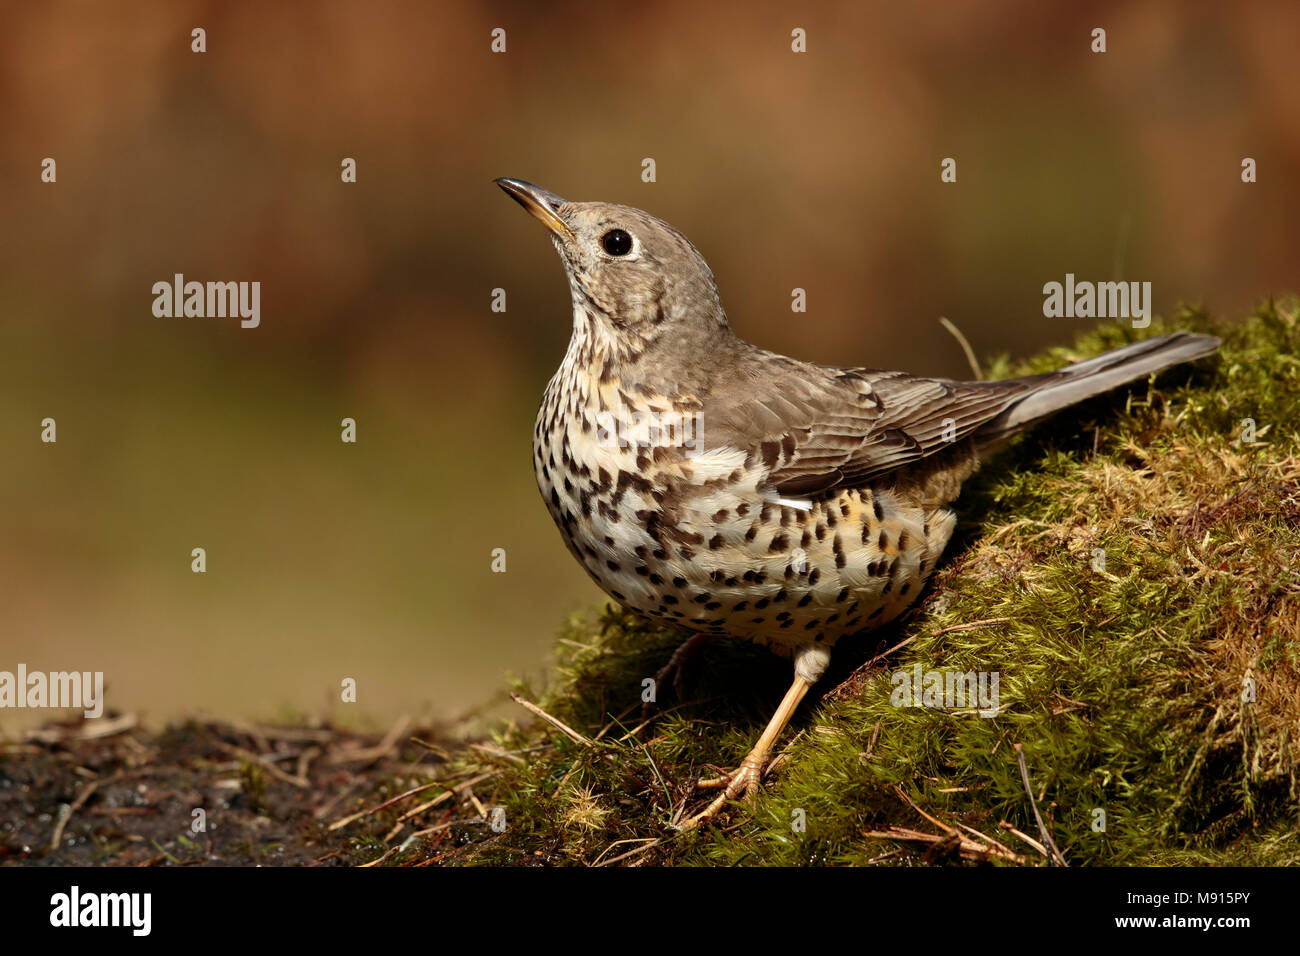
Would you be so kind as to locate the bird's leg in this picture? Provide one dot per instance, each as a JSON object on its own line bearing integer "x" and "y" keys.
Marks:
{"x": 746, "y": 777}
{"x": 675, "y": 667}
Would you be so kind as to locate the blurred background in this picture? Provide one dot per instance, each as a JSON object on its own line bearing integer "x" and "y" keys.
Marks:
{"x": 373, "y": 561}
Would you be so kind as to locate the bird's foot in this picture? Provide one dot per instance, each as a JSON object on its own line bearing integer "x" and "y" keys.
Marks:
{"x": 744, "y": 781}
{"x": 675, "y": 669}
{"x": 746, "y": 778}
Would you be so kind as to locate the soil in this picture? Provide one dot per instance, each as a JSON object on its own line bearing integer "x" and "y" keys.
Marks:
{"x": 109, "y": 793}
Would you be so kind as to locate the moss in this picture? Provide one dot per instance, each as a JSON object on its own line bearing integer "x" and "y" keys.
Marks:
{"x": 1122, "y": 683}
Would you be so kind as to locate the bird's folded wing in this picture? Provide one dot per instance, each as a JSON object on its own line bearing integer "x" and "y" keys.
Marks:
{"x": 816, "y": 427}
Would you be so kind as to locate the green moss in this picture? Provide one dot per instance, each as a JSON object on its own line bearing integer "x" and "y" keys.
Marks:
{"x": 1124, "y": 687}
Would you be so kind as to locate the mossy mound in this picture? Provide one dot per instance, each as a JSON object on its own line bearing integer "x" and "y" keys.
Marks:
{"x": 1128, "y": 570}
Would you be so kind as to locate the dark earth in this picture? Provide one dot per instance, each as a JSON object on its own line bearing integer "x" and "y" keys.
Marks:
{"x": 273, "y": 796}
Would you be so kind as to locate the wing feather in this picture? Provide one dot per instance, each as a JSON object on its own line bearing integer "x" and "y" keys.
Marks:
{"x": 816, "y": 427}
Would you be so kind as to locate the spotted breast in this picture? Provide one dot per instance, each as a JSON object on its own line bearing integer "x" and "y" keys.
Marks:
{"x": 694, "y": 536}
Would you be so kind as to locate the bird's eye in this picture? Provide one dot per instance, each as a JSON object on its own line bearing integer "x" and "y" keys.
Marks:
{"x": 616, "y": 242}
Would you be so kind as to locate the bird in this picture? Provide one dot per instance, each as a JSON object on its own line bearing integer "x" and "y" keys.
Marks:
{"x": 712, "y": 486}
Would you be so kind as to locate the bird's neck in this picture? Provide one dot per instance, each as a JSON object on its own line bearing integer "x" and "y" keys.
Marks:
{"x": 597, "y": 351}
{"x": 650, "y": 359}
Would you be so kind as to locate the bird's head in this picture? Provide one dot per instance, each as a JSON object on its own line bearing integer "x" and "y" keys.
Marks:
{"x": 638, "y": 280}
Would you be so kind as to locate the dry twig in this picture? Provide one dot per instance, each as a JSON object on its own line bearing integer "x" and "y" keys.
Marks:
{"x": 553, "y": 721}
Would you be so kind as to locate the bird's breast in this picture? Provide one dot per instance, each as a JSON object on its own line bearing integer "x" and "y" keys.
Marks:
{"x": 684, "y": 534}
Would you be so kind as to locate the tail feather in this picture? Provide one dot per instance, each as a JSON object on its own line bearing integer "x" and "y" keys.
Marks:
{"x": 1083, "y": 380}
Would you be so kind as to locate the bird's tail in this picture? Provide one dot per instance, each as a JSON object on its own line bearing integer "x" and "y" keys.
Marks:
{"x": 1082, "y": 380}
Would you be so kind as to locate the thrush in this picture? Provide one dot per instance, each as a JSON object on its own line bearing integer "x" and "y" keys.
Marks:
{"x": 707, "y": 484}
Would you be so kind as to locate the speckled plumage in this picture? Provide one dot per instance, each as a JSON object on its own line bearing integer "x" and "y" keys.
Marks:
{"x": 702, "y": 542}
{"x": 776, "y": 500}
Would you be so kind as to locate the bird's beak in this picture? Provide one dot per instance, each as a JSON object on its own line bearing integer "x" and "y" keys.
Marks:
{"x": 543, "y": 205}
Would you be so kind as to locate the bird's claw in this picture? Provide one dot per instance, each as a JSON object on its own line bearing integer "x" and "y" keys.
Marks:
{"x": 675, "y": 670}
{"x": 745, "y": 781}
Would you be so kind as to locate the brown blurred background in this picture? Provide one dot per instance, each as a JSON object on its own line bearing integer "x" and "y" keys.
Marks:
{"x": 818, "y": 170}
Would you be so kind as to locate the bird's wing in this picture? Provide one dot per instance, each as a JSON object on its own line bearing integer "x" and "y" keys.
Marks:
{"x": 817, "y": 427}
